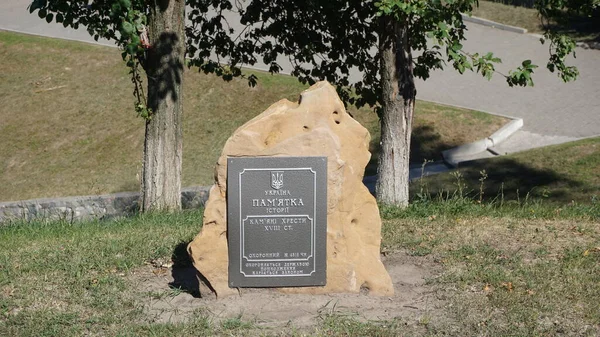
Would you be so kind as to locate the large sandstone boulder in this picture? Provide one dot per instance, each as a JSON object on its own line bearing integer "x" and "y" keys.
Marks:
{"x": 317, "y": 126}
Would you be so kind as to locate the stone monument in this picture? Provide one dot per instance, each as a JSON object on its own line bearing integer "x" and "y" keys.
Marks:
{"x": 317, "y": 126}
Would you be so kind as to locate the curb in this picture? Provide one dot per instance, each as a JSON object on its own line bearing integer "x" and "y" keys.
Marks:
{"x": 493, "y": 24}
{"x": 455, "y": 155}
{"x": 506, "y": 131}
{"x": 89, "y": 207}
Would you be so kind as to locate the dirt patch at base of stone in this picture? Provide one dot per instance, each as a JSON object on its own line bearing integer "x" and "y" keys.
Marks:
{"x": 270, "y": 308}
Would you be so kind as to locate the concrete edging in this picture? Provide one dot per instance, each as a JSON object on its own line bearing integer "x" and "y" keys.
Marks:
{"x": 493, "y": 24}
{"x": 456, "y": 155}
{"x": 90, "y": 207}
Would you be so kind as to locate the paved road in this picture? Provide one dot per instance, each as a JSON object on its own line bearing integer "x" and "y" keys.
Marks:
{"x": 553, "y": 111}
{"x": 14, "y": 16}
{"x": 550, "y": 107}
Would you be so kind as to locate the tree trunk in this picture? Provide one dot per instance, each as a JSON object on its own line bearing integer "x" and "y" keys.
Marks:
{"x": 398, "y": 102}
{"x": 163, "y": 146}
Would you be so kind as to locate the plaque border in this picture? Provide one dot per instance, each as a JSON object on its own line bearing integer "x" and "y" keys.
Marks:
{"x": 312, "y": 220}
{"x": 317, "y": 167}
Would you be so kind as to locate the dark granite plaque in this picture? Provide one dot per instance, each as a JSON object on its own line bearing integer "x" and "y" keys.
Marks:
{"x": 277, "y": 221}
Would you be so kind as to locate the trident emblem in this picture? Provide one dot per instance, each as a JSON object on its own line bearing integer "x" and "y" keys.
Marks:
{"x": 277, "y": 179}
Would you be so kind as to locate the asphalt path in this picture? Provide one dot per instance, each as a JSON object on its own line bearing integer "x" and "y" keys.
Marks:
{"x": 553, "y": 111}
{"x": 14, "y": 16}
{"x": 551, "y": 107}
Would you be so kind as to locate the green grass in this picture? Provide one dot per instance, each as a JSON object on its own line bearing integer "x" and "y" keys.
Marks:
{"x": 69, "y": 128}
{"x": 337, "y": 325}
{"x": 510, "y": 15}
{"x": 60, "y": 278}
{"x": 563, "y": 175}
{"x": 506, "y": 274}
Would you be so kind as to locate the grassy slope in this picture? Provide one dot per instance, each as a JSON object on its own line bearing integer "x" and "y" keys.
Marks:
{"x": 511, "y": 15}
{"x": 84, "y": 138}
{"x": 562, "y": 174}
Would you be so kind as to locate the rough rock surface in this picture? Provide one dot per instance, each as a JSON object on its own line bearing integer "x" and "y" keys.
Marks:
{"x": 317, "y": 126}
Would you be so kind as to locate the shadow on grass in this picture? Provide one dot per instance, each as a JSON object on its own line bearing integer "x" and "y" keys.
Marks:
{"x": 185, "y": 276}
{"x": 425, "y": 144}
{"x": 507, "y": 180}
{"x": 520, "y": 3}
{"x": 581, "y": 23}
{"x": 581, "y": 27}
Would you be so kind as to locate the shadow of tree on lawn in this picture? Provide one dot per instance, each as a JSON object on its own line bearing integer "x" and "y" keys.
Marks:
{"x": 185, "y": 276}
{"x": 425, "y": 144}
{"x": 507, "y": 179}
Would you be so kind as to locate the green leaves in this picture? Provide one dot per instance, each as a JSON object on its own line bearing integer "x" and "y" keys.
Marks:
{"x": 485, "y": 64}
{"x": 560, "y": 48}
{"x": 400, "y": 9}
{"x": 133, "y": 22}
{"x": 125, "y": 4}
{"x": 143, "y": 111}
{"x": 459, "y": 60}
{"x": 127, "y": 28}
{"x": 522, "y": 75}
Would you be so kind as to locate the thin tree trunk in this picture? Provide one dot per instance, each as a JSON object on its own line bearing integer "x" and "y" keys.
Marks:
{"x": 398, "y": 102}
{"x": 163, "y": 146}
